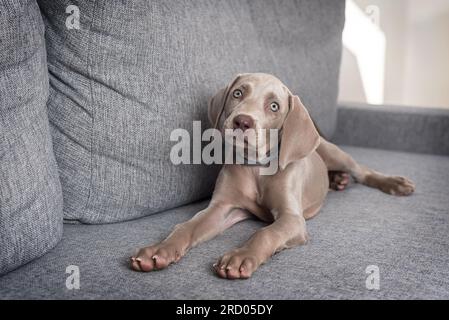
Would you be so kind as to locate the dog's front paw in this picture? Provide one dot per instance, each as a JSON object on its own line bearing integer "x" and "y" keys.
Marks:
{"x": 156, "y": 257}
{"x": 237, "y": 264}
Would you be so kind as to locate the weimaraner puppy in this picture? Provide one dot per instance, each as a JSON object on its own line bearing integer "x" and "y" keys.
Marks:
{"x": 285, "y": 200}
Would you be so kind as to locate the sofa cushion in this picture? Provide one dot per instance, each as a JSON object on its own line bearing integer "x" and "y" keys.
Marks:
{"x": 136, "y": 70}
{"x": 405, "y": 128}
{"x": 30, "y": 192}
{"x": 406, "y": 237}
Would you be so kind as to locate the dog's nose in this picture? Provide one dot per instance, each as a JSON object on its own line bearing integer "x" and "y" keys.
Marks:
{"x": 243, "y": 122}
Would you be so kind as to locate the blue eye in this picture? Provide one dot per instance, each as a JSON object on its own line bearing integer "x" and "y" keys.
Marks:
{"x": 237, "y": 93}
{"x": 274, "y": 107}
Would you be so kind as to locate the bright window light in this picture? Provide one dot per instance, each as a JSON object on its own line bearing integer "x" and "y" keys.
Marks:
{"x": 367, "y": 42}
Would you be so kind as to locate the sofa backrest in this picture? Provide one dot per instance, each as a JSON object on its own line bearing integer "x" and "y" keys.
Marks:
{"x": 136, "y": 70}
{"x": 30, "y": 191}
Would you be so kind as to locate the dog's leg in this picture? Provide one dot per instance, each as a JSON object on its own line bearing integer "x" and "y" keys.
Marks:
{"x": 338, "y": 160}
{"x": 288, "y": 230}
{"x": 205, "y": 225}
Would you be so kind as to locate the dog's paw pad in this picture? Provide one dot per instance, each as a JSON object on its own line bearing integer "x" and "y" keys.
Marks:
{"x": 338, "y": 180}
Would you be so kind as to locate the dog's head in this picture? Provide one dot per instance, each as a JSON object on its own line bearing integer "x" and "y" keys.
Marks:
{"x": 261, "y": 101}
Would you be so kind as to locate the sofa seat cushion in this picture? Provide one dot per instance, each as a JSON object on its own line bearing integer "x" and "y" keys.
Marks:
{"x": 406, "y": 237}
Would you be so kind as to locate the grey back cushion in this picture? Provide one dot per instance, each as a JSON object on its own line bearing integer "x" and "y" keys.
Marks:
{"x": 136, "y": 70}
{"x": 30, "y": 192}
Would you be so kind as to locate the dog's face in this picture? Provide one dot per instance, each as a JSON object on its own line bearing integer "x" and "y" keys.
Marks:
{"x": 260, "y": 101}
{"x": 255, "y": 101}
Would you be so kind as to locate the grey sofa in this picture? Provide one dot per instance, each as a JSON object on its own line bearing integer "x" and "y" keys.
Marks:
{"x": 115, "y": 179}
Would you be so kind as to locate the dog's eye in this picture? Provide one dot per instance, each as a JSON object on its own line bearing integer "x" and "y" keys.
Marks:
{"x": 274, "y": 107}
{"x": 237, "y": 93}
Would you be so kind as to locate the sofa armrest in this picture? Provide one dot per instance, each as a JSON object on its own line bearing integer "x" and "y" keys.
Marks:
{"x": 413, "y": 129}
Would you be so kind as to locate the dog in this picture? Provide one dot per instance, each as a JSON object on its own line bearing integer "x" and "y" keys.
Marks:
{"x": 308, "y": 166}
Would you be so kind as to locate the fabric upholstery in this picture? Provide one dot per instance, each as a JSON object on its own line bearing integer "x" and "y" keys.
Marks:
{"x": 30, "y": 192}
{"x": 406, "y": 237}
{"x": 136, "y": 70}
{"x": 413, "y": 129}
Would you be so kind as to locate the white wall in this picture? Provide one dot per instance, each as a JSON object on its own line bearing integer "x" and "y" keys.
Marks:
{"x": 416, "y": 68}
{"x": 427, "y": 54}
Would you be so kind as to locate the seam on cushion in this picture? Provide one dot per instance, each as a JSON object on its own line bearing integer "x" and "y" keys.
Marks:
{"x": 89, "y": 72}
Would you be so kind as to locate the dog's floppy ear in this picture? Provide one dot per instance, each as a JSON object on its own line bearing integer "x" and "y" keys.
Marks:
{"x": 218, "y": 102}
{"x": 299, "y": 135}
